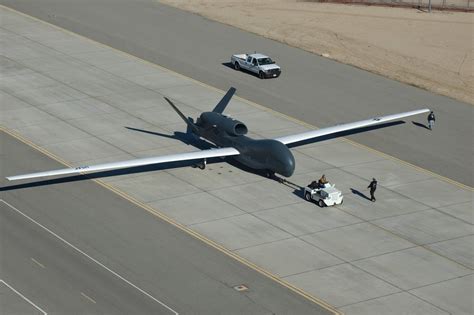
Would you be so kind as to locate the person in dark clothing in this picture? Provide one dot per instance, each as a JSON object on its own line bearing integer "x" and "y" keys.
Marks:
{"x": 313, "y": 185}
{"x": 431, "y": 120}
{"x": 373, "y": 187}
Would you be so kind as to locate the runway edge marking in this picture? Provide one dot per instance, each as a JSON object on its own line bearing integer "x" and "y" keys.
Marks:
{"x": 90, "y": 257}
{"x": 23, "y": 297}
{"x": 444, "y": 178}
{"x": 182, "y": 227}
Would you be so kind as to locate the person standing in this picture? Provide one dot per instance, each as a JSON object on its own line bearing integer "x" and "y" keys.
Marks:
{"x": 431, "y": 120}
{"x": 373, "y": 187}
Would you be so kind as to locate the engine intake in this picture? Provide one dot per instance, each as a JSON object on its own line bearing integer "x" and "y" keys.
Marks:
{"x": 229, "y": 125}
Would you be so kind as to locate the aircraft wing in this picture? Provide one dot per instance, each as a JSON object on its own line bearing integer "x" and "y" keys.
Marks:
{"x": 221, "y": 152}
{"x": 344, "y": 127}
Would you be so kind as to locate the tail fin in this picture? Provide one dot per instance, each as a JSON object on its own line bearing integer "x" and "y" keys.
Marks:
{"x": 224, "y": 101}
{"x": 186, "y": 120}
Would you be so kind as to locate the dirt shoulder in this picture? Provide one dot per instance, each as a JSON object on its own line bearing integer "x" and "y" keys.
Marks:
{"x": 432, "y": 51}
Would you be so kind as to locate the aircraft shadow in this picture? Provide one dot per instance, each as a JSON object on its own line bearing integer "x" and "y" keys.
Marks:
{"x": 185, "y": 137}
{"x": 105, "y": 174}
{"x": 189, "y": 139}
{"x": 360, "y": 194}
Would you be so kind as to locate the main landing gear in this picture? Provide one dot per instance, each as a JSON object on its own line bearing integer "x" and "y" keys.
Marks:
{"x": 201, "y": 165}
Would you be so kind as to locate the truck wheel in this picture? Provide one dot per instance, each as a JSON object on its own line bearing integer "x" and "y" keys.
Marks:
{"x": 321, "y": 203}
{"x": 261, "y": 75}
{"x": 307, "y": 196}
{"x": 237, "y": 66}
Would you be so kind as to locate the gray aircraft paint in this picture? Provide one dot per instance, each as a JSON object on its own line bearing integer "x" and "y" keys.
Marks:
{"x": 223, "y": 131}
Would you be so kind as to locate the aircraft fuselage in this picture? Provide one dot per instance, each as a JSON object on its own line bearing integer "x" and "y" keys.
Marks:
{"x": 265, "y": 154}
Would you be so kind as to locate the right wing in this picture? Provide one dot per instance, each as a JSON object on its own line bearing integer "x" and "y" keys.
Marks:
{"x": 344, "y": 127}
{"x": 221, "y": 152}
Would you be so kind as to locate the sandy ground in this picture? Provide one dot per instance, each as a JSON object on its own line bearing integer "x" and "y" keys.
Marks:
{"x": 433, "y": 51}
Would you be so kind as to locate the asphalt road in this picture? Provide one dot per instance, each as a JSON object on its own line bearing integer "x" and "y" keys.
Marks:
{"x": 312, "y": 88}
{"x": 102, "y": 240}
{"x": 60, "y": 279}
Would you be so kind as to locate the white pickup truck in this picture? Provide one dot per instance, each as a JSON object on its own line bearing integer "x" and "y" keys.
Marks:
{"x": 259, "y": 64}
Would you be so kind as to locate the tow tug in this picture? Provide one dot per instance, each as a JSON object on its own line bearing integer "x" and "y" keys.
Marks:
{"x": 324, "y": 195}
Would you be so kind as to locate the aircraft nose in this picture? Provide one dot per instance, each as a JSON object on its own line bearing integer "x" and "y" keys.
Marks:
{"x": 286, "y": 163}
{"x": 288, "y": 167}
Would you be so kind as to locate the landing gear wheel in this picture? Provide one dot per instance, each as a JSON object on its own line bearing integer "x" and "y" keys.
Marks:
{"x": 269, "y": 174}
{"x": 321, "y": 203}
{"x": 261, "y": 75}
{"x": 203, "y": 164}
{"x": 237, "y": 66}
{"x": 307, "y": 196}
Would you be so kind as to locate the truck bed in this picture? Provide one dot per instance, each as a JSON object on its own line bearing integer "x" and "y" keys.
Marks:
{"x": 240, "y": 56}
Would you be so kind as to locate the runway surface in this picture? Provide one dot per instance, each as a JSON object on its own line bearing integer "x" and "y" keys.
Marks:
{"x": 316, "y": 90}
{"x": 77, "y": 247}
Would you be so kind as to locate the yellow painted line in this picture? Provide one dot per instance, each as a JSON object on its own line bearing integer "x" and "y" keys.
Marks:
{"x": 88, "y": 298}
{"x": 300, "y": 122}
{"x": 182, "y": 227}
{"x": 38, "y": 263}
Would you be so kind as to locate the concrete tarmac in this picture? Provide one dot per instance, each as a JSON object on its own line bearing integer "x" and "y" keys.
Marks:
{"x": 180, "y": 273}
{"x": 83, "y": 103}
{"x": 312, "y": 88}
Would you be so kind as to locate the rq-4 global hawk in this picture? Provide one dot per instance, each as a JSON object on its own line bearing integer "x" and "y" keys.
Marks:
{"x": 272, "y": 156}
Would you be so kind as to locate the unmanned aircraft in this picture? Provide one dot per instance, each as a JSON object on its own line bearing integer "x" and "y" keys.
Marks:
{"x": 229, "y": 136}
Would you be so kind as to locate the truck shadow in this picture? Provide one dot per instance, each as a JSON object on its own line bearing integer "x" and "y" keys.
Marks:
{"x": 299, "y": 192}
{"x": 231, "y": 66}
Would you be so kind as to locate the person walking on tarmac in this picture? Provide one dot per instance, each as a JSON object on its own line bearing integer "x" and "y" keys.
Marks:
{"x": 373, "y": 187}
{"x": 431, "y": 120}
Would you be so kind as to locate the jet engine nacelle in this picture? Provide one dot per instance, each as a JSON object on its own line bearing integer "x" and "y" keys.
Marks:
{"x": 229, "y": 125}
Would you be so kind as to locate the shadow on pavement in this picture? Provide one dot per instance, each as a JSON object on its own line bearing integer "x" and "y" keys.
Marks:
{"x": 360, "y": 194}
{"x": 420, "y": 125}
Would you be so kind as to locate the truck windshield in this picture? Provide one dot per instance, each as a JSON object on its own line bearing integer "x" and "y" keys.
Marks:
{"x": 265, "y": 61}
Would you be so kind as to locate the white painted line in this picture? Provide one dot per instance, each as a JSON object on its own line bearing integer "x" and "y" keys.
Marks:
{"x": 37, "y": 262}
{"x": 24, "y": 297}
{"x": 91, "y": 258}
{"x": 88, "y": 298}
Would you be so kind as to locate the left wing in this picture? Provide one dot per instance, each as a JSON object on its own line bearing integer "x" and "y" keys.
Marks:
{"x": 344, "y": 127}
{"x": 221, "y": 152}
